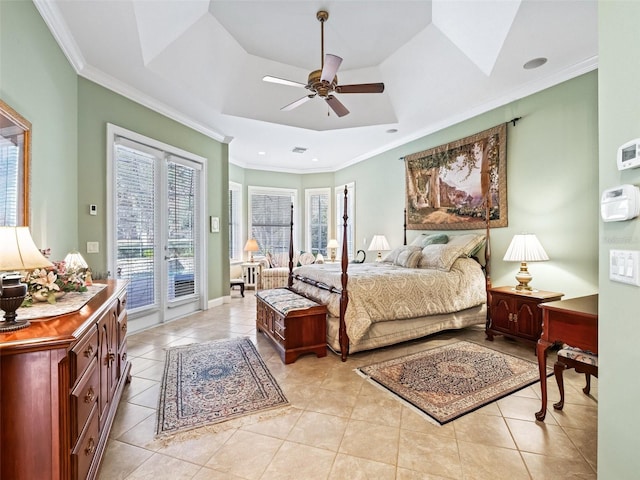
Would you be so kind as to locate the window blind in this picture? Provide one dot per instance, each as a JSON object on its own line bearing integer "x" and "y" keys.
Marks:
{"x": 318, "y": 221}
{"x": 182, "y": 240}
{"x": 270, "y": 219}
{"x": 136, "y": 222}
{"x": 235, "y": 247}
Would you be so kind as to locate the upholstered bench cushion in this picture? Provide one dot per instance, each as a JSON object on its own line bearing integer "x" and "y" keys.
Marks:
{"x": 284, "y": 300}
{"x": 578, "y": 355}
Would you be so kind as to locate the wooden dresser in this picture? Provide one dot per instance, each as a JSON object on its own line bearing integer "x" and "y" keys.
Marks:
{"x": 60, "y": 383}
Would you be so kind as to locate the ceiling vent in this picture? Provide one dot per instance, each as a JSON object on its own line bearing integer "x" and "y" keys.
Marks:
{"x": 299, "y": 150}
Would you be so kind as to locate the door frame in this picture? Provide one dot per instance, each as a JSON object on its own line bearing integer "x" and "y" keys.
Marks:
{"x": 158, "y": 317}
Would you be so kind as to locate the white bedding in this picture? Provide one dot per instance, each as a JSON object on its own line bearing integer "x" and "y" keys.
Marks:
{"x": 381, "y": 292}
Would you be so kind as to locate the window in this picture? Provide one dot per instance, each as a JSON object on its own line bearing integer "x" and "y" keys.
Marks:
{"x": 235, "y": 215}
{"x": 351, "y": 191}
{"x": 270, "y": 218}
{"x": 318, "y": 204}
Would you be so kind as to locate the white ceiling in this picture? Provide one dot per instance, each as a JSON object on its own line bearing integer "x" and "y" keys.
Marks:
{"x": 201, "y": 62}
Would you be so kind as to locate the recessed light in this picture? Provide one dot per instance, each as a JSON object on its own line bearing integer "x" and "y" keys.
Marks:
{"x": 262, "y": 153}
{"x": 392, "y": 130}
{"x": 314, "y": 159}
{"x": 535, "y": 63}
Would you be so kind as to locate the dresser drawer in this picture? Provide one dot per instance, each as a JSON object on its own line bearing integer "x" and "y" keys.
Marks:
{"x": 82, "y": 354}
{"x": 122, "y": 304}
{"x": 83, "y": 398}
{"x": 122, "y": 328}
{"x": 84, "y": 451}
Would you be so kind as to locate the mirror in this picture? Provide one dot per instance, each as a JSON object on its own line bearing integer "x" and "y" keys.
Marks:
{"x": 15, "y": 158}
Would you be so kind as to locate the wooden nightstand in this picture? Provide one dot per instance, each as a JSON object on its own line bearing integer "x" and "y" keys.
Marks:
{"x": 515, "y": 313}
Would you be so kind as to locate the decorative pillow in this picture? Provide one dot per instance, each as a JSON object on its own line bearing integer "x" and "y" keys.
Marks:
{"x": 270, "y": 260}
{"x": 392, "y": 256}
{"x": 408, "y": 258}
{"x": 470, "y": 243}
{"x": 306, "y": 258}
{"x": 425, "y": 239}
{"x": 440, "y": 257}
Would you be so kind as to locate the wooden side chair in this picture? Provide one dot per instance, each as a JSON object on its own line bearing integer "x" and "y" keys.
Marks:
{"x": 580, "y": 360}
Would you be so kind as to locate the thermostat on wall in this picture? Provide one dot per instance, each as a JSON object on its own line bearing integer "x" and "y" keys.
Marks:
{"x": 629, "y": 155}
{"x": 620, "y": 203}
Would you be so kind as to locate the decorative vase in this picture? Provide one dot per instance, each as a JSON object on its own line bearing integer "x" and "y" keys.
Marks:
{"x": 39, "y": 297}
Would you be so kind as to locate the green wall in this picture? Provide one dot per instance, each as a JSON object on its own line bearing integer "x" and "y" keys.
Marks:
{"x": 619, "y": 110}
{"x": 37, "y": 81}
{"x": 552, "y": 183}
{"x": 69, "y": 117}
{"x": 98, "y": 106}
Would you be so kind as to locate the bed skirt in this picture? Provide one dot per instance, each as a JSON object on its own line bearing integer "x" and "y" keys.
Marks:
{"x": 382, "y": 334}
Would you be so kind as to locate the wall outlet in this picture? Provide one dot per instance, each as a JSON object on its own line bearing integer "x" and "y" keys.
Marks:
{"x": 624, "y": 266}
{"x": 93, "y": 247}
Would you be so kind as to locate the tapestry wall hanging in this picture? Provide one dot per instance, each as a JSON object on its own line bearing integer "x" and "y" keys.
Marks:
{"x": 454, "y": 186}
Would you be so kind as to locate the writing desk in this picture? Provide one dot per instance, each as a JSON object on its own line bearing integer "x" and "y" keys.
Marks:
{"x": 574, "y": 322}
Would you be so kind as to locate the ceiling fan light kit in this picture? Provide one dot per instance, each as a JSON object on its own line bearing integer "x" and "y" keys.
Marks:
{"x": 324, "y": 82}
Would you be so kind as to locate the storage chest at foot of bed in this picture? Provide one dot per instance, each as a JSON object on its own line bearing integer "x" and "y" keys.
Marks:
{"x": 294, "y": 324}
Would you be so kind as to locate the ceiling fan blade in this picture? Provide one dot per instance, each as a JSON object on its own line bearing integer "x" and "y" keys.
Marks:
{"x": 330, "y": 68}
{"x": 297, "y": 103}
{"x": 361, "y": 88}
{"x": 335, "y": 104}
{"x": 282, "y": 81}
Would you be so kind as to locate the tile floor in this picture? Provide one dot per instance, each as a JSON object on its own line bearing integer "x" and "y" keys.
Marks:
{"x": 340, "y": 426}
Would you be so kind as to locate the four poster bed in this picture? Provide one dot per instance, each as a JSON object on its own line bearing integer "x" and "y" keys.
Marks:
{"x": 419, "y": 289}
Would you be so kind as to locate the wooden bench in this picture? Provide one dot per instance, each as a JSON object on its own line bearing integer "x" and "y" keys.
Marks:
{"x": 294, "y": 324}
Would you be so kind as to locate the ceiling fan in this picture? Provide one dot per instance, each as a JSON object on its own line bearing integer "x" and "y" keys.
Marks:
{"x": 324, "y": 82}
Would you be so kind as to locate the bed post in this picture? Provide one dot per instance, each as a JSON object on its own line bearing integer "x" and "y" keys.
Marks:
{"x": 290, "y": 280}
{"x": 344, "y": 299}
{"x": 404, "y": 229}
{"x": 485, "y": 181}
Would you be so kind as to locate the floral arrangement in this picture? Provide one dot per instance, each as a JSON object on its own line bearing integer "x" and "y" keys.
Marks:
{"x": 48, "y": 284}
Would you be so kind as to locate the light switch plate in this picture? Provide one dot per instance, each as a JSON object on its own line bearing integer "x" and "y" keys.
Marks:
{"x": 624, "y": 266}
{"x": 93, "y": 247}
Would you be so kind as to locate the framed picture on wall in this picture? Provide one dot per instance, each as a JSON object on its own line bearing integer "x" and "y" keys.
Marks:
{"x": 456, "y": 185}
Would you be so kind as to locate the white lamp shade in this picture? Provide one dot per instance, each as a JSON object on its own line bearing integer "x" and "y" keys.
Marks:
{"x": 333, "y": 243}
{"x": 251, "y": 246}
{"x": 74, "y": 261}
{"x": 18, "y": 252}
{"x": 525, "y": 248}
{"x": 379, "y": 243}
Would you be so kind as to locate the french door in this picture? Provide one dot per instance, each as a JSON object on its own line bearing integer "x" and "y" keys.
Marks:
{"x": 157, "y": 228}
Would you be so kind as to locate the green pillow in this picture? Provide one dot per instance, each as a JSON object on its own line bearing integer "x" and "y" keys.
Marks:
{"x": 430, "y": 239}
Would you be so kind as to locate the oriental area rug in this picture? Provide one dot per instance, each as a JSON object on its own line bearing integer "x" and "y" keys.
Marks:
{"x": 213, "y": 382}
{"x": 449, "y": 381}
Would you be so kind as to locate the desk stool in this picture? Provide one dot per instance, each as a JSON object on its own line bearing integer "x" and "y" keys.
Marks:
{"x": 238, "y": 282}
{"x": 582, "y": 361}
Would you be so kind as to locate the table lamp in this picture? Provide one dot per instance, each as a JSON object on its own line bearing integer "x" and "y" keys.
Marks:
{"x": 251, "y": 246}
{"x": 333, "y": 246}
{"x": 379, "y": 243}
{"x": 18, "y": 253}
{"x": 525, "y": 248}
{"x": 74, "y": 262}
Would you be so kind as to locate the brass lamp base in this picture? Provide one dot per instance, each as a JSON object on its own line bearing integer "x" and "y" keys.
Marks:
{"x": 523, "y": 277}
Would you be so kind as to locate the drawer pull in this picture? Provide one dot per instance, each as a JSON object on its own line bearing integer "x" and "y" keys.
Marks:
{"x": 89, "y": 351}
{"x": 111, "y": 357}
{"x": 124, "y": 328}
{"x": 91, "y": 447}
{"x": 124, "y": 357}
{"x": 90, "y": 396}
